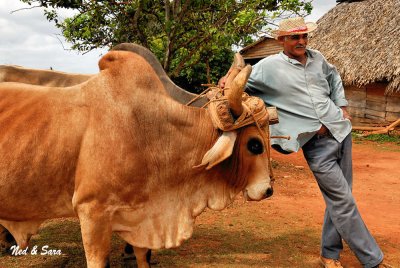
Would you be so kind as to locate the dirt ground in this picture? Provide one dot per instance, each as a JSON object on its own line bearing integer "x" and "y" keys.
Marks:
{"x": 376, "y": 189}
{"x": 283, "y": 231}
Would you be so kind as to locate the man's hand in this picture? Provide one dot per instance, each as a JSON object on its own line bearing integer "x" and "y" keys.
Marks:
{"x": 237, "y": 65}
{"x": 222, "y": 81}
{"x": 346, "y": 114}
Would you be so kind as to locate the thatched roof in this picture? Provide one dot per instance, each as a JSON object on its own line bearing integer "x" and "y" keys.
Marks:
{"x": 363, "y": 40}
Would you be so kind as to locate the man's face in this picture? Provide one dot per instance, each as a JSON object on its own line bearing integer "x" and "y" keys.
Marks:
{"x": 294, "y": 46}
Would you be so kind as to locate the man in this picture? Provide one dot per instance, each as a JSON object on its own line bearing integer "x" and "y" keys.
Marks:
{"x": 309, "y": 96}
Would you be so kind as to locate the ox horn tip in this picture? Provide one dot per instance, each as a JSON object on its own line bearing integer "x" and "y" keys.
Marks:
{"x": 237, "y": 89}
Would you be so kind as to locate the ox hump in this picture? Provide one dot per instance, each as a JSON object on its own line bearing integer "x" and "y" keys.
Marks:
{"x": 116, "y": 59}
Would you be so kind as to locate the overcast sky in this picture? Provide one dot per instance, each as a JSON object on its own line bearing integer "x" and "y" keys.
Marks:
{"x": 29, "y": 40}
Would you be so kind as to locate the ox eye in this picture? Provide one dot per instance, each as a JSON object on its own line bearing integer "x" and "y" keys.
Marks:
{"x": 255, "y": 146}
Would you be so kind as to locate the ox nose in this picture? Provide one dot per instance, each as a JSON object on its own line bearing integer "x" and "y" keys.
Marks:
{"x": 269, "y": 192}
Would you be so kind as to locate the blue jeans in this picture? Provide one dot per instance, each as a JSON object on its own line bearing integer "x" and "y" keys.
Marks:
{"x": 331, "y": 163}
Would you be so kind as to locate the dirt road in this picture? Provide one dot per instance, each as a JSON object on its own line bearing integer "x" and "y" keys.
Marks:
{"x": 376, "y": 188}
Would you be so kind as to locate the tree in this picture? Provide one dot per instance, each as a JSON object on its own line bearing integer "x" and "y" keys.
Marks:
{"x": 193, "y": 39}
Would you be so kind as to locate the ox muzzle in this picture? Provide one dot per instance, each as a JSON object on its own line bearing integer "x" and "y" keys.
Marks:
{"x": 258, "y": 191}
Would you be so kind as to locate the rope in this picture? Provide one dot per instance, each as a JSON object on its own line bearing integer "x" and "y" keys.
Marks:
{"x": 267, "y": 142}
{"x": 198, "y": 96}
{"x": 254, "y": 112}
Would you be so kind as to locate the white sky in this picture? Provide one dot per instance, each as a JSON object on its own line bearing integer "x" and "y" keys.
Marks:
{"x": 28, "y": 39}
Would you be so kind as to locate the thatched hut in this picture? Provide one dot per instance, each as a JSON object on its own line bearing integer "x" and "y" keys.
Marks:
{"x": 362, "y": 40}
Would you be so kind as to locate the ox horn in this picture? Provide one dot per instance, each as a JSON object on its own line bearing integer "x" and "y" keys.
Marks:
{"x": 221, "y": 150}
{"x": 236, "y": 91}
{"x": 237, "y": 65}
{"x": 238, "y": 61}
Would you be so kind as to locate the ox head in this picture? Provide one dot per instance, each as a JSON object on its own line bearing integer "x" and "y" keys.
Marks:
{"x": 243, "y": 146}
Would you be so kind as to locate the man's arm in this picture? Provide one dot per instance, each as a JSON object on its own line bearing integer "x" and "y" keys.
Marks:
{"x": 337, "y": 90}
{"x": 336, "y": 86}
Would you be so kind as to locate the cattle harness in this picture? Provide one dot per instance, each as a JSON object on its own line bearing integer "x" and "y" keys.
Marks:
{"x": 254, "y": 112}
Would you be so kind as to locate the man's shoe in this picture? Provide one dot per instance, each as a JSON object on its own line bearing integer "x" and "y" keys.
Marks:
{"x": 330, "y": 263}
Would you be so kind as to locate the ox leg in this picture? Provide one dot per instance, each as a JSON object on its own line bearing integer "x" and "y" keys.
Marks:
{"x": 21, "y": 231}
{"x": 6, "y": 240}
{"x": 129, "y": 254}
{"x": 96, "y": 235}
{"x": 141, "y": 257}
{"x": 148, "y": 257}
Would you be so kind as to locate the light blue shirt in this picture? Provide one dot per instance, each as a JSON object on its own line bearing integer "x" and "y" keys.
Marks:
{"x": 306, "y": 96}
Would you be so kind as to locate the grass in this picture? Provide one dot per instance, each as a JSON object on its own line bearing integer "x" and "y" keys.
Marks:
{"x": 379, "y": 138}
{"x": 253, "y": 244}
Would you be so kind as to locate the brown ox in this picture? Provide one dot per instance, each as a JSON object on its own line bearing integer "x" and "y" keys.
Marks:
{"x": 12, "y": 73}
{"x": 120, "y": 159}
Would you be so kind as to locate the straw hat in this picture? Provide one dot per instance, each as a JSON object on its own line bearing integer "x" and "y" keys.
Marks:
{"x": 293, "y": 26}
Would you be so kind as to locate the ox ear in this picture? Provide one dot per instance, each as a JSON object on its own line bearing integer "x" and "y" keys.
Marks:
{"x": 221, "y": 150}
